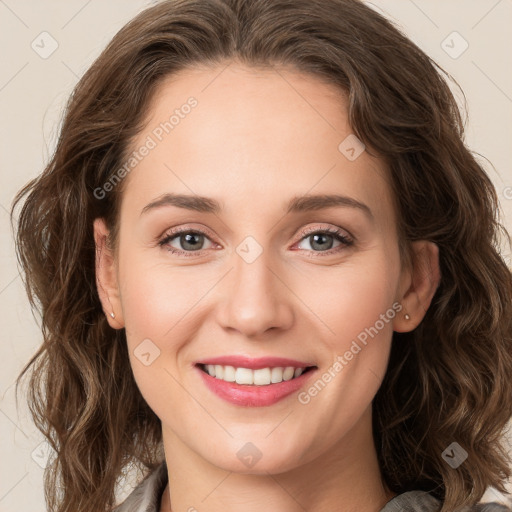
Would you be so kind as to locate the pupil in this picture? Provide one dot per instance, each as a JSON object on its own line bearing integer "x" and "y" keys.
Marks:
{"x": 189, "y": 239}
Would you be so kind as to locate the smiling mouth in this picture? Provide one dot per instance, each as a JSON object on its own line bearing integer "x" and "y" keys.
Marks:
{"x": 247, "y": 376}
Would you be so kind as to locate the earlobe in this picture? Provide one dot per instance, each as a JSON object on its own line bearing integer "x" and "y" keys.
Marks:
{"x": 106, "y": 276}
{"x": 424, "y": 278}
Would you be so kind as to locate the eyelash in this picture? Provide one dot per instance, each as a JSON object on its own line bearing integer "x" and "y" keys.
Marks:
{"x": 337, "y": 233}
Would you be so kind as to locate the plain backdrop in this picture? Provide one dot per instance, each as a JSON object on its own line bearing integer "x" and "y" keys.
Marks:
{"x": 46, "y": 45}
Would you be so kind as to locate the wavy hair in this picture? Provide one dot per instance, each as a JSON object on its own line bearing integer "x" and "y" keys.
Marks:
{"x": 448, "y": 380}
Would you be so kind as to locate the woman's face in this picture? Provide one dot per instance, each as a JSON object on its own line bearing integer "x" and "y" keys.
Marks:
{"x": 265, "y": 270}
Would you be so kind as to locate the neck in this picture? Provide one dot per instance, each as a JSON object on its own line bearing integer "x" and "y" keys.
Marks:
{"x": 347, "y": 478}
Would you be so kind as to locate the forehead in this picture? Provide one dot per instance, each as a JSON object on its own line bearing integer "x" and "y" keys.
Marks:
{"x": 253, "y": 134}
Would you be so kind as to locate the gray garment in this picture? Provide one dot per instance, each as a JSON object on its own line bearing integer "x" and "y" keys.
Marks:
{"x": 147, "y": 495}
{"x": 420, "y": 501}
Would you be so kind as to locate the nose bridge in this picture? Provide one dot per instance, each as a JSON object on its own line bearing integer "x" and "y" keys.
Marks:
{"x": 256, "y": 300}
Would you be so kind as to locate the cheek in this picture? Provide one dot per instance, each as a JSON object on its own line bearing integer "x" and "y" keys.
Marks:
{"x": 350, "y": 298}
{"x": 357, "y": 304}
{"x": 163, "y": 309}
{"x": 158, "y": 307}
{"x": 157, "y": 298}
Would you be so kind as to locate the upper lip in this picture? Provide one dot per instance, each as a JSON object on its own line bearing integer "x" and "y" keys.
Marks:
{"x": 255, "y": 363}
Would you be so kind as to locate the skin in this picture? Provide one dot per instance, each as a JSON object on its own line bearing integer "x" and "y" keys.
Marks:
{"x": 257, "y": 138}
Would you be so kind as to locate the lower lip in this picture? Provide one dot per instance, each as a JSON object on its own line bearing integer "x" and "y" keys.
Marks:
{"x": 253, "y": 396}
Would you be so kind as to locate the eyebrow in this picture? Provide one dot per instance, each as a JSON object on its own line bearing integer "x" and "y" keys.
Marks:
{"x": 296, "y": 204}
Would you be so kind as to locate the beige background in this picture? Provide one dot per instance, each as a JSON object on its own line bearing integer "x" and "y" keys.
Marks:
{"x": 33, "y": 90}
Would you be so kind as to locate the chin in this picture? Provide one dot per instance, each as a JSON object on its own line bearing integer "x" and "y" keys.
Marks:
{"x": 259, "y": 458}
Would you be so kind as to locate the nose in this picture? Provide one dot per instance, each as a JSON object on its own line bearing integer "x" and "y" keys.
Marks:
{"x": 256, "y": 298}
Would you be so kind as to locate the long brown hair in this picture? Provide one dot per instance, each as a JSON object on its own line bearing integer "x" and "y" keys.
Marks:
{"x": 448, "y": 380}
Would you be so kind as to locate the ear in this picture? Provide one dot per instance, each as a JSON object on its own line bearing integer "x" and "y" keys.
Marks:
{"x": 106, "y": 276}
{"x": 418, "y": 285}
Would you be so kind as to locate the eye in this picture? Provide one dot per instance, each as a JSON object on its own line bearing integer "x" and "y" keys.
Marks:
{"x": 188, "y": 241}
{"x": 322, "y": 239}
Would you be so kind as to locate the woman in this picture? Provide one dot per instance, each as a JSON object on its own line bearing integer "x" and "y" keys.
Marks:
{"x": 268, "y": 272}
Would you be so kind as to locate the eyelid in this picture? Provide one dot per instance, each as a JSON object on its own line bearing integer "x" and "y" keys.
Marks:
{"x": 173, "y": 231}
{"x": 330, "y": 229}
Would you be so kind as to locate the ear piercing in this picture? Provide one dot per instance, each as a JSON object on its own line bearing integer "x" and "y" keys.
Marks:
{"x": 112, "y": 315}
{"x": 407, "y": 317}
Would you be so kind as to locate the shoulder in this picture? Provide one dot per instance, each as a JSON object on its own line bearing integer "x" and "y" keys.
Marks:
{"x": 420, "y": 501}
{"x": 147, "y": 495}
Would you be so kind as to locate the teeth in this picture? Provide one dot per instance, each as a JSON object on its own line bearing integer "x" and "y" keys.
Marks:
{"x": 288, "y": 373}
{"x": 244, "y": 376}
{"x": 219, "y": 371}
{"x": 229, "y": 374}
{"x": 276, "y": 375}
{"x": 260, "y": 377}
